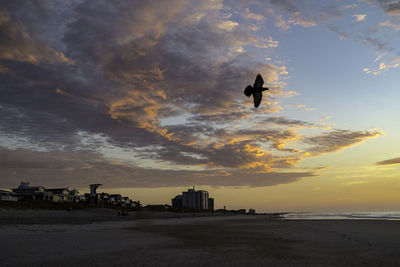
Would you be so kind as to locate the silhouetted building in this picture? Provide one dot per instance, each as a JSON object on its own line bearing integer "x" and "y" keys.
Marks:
{"x": 94, "y": 198}
{"x": 116, "y": 199}
{"x": 241, "y": 211}
{"x": 58, "y": 195}
{"x": 125, "y": 201}
{"x": 27, "y": 192}
{"x": 195, "y": 199}
{"x": 210, "y": 204}
{"x": 177, "y": 202}
{"x": 7, "y": 196}
{"x": 192, "y": 199}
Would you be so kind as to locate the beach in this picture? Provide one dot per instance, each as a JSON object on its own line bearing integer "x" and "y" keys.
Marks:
{"x": 101, "y": 238}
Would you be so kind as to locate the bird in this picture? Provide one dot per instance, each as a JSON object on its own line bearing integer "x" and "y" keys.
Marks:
{"x": 256, "y": 90}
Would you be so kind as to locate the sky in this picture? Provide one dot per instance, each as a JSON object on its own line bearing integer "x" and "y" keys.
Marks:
{"x": 146, "y": 98}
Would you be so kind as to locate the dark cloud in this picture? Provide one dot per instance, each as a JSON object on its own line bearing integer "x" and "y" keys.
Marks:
{"x": 337, "y": 140}
{"x": 118, "y": 67}
{"x": 80, "y": 78}
{"x": 377, "y": 44}
{"x": 297, "y": 12}
{"x": 78, "y": 169}
{"x": 281, "y": 120}
{"x": 389, "y": 162}
{"x": 390, "y": 6}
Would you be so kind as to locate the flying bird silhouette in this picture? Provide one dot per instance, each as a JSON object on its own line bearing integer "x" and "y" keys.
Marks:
{"x": 256, "y": 90}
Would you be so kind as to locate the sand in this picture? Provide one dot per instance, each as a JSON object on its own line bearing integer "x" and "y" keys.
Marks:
{"x": 201, "y": 241}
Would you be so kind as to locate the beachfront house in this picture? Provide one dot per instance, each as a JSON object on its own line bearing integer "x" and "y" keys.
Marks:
{"x": 105, "y": 198}
{"x": 7, "y": 196}
{"x": 115, "y": 200}
{"x": 125, "y": 202}
{"x": 57, "y": 195}
{"x": 27, "y": 192}
{"x": 60, "y": 195}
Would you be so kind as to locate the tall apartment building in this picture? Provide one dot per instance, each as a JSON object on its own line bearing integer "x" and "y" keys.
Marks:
{"x": 193, "y": 199}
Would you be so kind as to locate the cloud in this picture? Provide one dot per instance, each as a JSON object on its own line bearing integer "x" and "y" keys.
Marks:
{"x": 280, "y": 120}
{"x": 228, "y": 25}
{"x": 346, "y": 184}
{"x": 389, "y": 162}
{"x": 157, "y": 87}
{"x": 81, "y": 168}
{"x": 250, "y": 15}
{"x": 280, "y": 22}
{"x": 388, "y": 23}
{"x": 360, "y": 17}
{"x": 391, "y": 7}
{"x": 296, "y": 15}
{"x": 371, "y": 2}
{"x": 301, "y": 107}
{"x": 337, "y": 140}
{"x": 382, "y": 67}
{"x": 377, "y": 44}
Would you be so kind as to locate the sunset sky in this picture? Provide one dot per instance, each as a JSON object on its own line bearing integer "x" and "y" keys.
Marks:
{"x": 146, "y": 98}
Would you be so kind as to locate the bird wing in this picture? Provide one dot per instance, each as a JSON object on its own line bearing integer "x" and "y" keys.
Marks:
{"x": 257, "y": 98}
{"x": 258, "y": 82}
{"x": 248, "y": 91}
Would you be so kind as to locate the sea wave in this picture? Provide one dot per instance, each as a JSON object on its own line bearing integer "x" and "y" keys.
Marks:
{"x": 377, "y": 215}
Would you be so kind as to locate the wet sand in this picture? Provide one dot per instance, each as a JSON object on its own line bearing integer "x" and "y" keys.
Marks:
{"x": 200, "y": 241}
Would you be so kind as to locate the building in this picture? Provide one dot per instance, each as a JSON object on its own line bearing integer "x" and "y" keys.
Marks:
{"x": 177, "y": 202}
{"x": 210, "y": 204}
{"x": 7, "y": 196}
{"x": 252, "y": 211}
{"x": 192, "y": 199}
{"x": 58, "y": 195}
{"x": 27, "y": 192}
{"x": 197, "y": 200}
{"x": 241, "y": 211}
{"x": 94, "y": 198}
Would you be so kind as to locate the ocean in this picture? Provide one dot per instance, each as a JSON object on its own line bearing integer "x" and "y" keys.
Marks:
{"x": 370, "y": 215}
